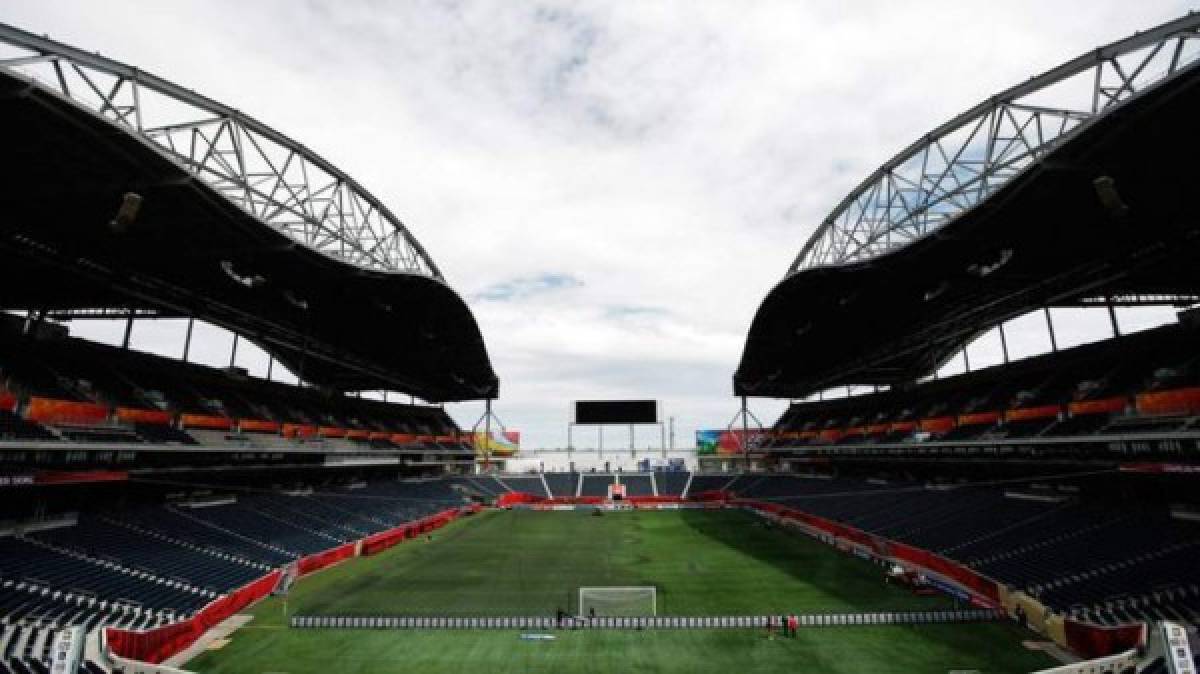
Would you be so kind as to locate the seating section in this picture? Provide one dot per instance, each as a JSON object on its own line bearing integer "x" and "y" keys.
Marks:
{"x": 671, "y": 483}
{"x": 1107, "y": 563}
{"x": 126, "y": 547}
{"x": 596, "y": 485}
{"x": 60, "y": 368}
{"x": 31, "y": 559}
{"x": 527, "y": 484}
{"x": 486, "y": 484}
{"x": 13, "y": 427}
{"x": 1086, "y": 390}
{"x": 26, "y": 649}
{"x": 562, "y": 485}
{"x": 148, "y": 565}
{"x": 637, "y": 485}
{"x": 703, "y": 483}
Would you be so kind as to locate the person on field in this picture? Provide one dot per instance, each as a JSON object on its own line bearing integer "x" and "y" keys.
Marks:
{"x": 793, "y": 624}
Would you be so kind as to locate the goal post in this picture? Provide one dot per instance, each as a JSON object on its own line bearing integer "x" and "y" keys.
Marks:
{"x": 620, "y": 602}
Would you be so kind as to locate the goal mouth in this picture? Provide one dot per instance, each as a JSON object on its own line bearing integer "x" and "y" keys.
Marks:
{"x": 618, "y": 601}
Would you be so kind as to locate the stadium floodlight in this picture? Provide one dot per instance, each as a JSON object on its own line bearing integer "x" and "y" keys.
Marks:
{"x": 616, "y": 601}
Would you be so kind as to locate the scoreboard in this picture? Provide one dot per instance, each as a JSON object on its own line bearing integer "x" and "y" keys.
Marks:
{"x": 616, "y": 411}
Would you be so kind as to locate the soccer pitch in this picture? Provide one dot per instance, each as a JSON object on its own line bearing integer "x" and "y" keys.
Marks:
{"x": 532, "y": 563}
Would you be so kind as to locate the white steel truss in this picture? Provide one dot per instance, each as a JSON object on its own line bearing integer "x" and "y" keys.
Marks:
{"x": 266, "y": 174}
{"x": 962, "y": 162}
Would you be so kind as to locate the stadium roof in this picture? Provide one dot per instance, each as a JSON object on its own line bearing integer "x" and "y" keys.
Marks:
{"x": 231, "y": 222}
{"x": 1014, "y": 205}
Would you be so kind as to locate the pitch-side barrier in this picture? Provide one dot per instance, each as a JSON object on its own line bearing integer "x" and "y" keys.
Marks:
{"x": 382, "y": 622}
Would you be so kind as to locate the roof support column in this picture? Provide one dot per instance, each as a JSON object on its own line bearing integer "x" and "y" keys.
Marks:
{"x": 745, "y": 443}
{"x": 128, "y": 331}
{"x": 487, "y": 433}
{"x": 1050, "y": 328}
{"x": 271, "y": 366}
{"x": 233, "y": 350}
{"x": 1112, "y": 318}
{"x": 1003, "y": 342}
{"x": 187, "y": 340}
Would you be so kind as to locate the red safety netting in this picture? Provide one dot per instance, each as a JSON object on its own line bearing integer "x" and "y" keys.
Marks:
{"x": 320, "y": 560}
{"x": 883, "y": 547}
{"x": 386, "y": 539}
{"x": 161, "y": 643}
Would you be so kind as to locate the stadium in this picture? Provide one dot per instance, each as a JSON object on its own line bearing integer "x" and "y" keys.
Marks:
{"x": 1036, "y": 513}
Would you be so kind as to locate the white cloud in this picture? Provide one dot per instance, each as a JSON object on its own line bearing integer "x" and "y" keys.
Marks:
{"x": 669, "y": 158}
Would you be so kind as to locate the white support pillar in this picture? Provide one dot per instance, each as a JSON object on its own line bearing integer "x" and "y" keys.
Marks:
{"x": 128, "y": 331}
{"x": 233, "y": 350}
{"x": 1050, "y": 328}
{"x": 187, "y": 340}
{"x": 1003, "y": 342}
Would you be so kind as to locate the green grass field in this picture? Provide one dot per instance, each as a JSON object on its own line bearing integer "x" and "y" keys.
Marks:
{"x": 531, "y": 563}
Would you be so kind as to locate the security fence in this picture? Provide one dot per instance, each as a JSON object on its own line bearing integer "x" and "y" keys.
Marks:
{"x": 382, "y": 622}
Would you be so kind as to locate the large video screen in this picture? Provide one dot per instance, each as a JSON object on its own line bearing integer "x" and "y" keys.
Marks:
{"x": 616, "y": 411}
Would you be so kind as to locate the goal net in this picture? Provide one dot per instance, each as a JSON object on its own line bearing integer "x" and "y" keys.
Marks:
{"x": 618, "y": 601}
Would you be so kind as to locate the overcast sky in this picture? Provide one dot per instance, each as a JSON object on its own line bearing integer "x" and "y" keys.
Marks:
{"x": 612, "y": 186}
